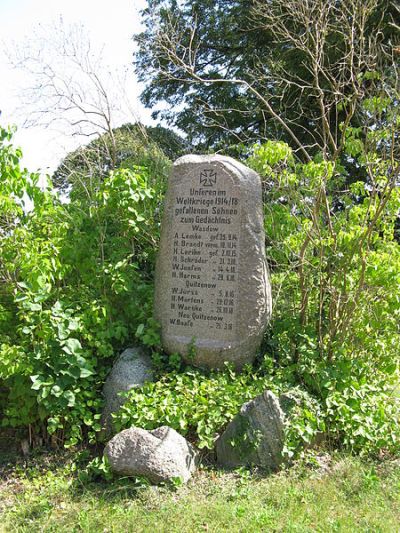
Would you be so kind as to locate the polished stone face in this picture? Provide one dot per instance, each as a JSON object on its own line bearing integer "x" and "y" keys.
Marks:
{"x": 213, "y": 298}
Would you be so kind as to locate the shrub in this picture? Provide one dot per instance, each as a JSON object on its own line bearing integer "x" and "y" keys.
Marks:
{"x": 335, "y": 265}
{"x": 75, "y": 286}
{"x": 77, "y": 282}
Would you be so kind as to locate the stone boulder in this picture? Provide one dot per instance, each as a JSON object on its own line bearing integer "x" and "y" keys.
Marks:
{"x": 159, "y": 455}
{"x": 131, "y": 369}
{"x": 255, "y": 436}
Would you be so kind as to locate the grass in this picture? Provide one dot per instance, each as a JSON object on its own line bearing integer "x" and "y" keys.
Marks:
{"x": 46, "y": 494}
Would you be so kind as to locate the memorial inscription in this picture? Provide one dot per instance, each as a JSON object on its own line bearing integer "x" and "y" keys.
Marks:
{"x": 203, "y": 286}
{"x": 203, "y": 265}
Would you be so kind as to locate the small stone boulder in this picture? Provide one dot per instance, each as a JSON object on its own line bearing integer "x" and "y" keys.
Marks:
{"x": 159, "y": 455}
{"x": 255, "y": 436}
{"x": 131, "y": 369}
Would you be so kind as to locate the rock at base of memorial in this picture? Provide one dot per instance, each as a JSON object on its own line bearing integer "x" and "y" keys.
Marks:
{"x": 131, "y": 369}
{"x": 212, "y": 292}
{"x": 160, "y": 455}
{"x": 255, "y": 437}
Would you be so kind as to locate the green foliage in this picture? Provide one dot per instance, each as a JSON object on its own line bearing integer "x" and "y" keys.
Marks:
{"x": 75, "y": 285}
{"x": 306, "y": 422}
{"x": 297, "y": 71}
{"x": 199, "y": 404}
{"x": 194, "y": 403}
{"x": 365, "y": 416}
{"x": 128, "y": 146}
{"x": 96, "y": 468}
{"x": 335, "y": 274}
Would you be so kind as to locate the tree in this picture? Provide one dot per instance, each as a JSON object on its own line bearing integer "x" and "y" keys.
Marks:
{"x": 69, "y": 85}
{"x": 241, "y": 70}
{"x": 224, "y": 38}
{"x": 130, "y": 145}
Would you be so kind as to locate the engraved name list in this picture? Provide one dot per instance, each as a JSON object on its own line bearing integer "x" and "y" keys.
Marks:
{"x": 203, "y": 289}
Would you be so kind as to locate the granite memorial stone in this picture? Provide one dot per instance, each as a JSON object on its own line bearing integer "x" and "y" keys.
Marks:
{"x": 213, "y": 296}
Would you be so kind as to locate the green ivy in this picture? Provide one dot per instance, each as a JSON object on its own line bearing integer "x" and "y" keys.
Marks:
{"x": 76, "y": 286}
{"x": 194, "y": 403}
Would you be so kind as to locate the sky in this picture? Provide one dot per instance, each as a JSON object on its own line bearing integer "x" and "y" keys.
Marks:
{"x": 110, "y": 26}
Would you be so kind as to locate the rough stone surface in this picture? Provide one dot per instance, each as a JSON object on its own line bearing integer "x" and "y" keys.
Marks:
{"x": 159, "y": 455}
{"x": 255, "y": 436}
{"x": 131, "y": 369}
{"x": 213, "y": 296}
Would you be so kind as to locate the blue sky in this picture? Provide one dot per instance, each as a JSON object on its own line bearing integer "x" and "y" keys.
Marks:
{"x": 109, "y": 24}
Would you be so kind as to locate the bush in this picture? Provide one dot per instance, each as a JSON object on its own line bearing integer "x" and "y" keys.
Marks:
{"x": 335, "y": 330}
{"x": 194, "y": 403}
{"x": 336, "y": 275}
{"x": 128, "y": 146}
{"x": 76, "y": 282}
